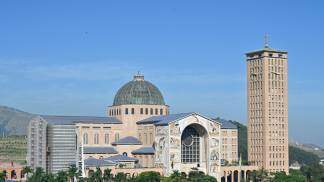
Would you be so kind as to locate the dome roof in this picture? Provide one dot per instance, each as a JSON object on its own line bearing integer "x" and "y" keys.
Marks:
{"x": 139, "y": 91}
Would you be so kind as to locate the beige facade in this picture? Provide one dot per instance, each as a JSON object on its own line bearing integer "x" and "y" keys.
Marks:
{"x": 146, "y": 134}
{"x": 96, "y": 135}
{"x": 267, "y": 76}
{"x": 145, "y": 160}
{"x": 140, "y": 135}
{"x": 131, "y": 113}
{"x": 229, "y": 151}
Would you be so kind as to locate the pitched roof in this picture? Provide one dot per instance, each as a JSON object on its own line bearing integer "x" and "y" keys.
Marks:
{"x": 225, "y": 124}
{"x": 99, "y": 150}
{"x": 67, "y": 120}
{"x": 163, "y": 120}
{"x": 144, "y": 150}
{"x": 98, "y": 162}
{"x": 129, "y": 140}
{"x": 121, "y": 158}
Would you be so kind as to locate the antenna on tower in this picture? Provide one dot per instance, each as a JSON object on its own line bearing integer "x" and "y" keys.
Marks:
{"x": 266, "y": 41}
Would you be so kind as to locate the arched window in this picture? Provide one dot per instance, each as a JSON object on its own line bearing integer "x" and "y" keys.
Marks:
{"x": 125, "y": 154}
{"x": 116, "y": 137}
{"x": 156, "y": 111}
{"x": 96, "y": 138}
{"x": 85, "y": 138}
{"x": 151, "y": 111}
{"x": 146, "y": 110}
{"x": 190, "y": 145}
{"x": 106, "y": 138}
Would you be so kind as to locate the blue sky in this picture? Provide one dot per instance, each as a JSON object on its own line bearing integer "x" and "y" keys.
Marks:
{"x": 70, "y": 57}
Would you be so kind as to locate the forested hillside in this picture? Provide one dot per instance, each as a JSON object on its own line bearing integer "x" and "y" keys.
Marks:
{"x": 13, "y": 121}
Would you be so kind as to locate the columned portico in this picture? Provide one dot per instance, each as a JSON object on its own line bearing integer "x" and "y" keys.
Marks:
{"x": 236, "y": 173}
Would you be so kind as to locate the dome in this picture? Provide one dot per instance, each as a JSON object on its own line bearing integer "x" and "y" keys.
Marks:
{"x": 138, "y": 91}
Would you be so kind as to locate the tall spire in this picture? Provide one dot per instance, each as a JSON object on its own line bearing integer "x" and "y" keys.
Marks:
{"x": 266, "y": 41}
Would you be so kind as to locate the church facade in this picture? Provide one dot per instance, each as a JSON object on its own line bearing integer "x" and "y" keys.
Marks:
{"x": 139, "y": 134}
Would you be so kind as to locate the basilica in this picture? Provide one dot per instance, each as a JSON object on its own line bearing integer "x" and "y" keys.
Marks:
{"x": 138, "y": 134}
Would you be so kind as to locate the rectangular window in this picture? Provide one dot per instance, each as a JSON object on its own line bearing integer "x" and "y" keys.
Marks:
{"x": 161, "y": 111}
{"x": 106, "y": 138}
{"x": 126, "y": 111}
{"x": 133, "y": 111}
{"x": 96, "y": 138}
{"x": 116, "y": 137}
{"x": 142, "y": 111}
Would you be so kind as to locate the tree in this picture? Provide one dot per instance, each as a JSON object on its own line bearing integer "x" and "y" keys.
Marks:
{"x": 176, "y": 176}
{"x": 95, "y": 176}
{"x": 260, "y": 175}
{"x": 107, "y": 176}
{"x": 2, "y": 177}
{"x": 48, "y": 177}
{"x": 150, "y": 176}
{"x": 294, "y": 176}
{"x": 61, "y": 176}
{"x": 26, "y": 171}
{"x": 98, "y": 175}
{"x": 72, "y": 173}
{"x": 37, "y": 175}
{"x": 120, "y": 177}
{"x": 314, "y": 172}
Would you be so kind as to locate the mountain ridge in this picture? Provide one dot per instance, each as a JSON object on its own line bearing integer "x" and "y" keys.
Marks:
{"x": 14, "y": 121}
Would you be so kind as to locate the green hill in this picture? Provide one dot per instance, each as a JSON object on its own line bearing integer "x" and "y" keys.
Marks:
{"x": 13, "y": 148}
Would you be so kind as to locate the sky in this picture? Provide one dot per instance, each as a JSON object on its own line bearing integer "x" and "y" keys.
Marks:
{"x": 71, "y": 57}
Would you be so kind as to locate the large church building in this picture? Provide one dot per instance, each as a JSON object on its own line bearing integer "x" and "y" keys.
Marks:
{"x": 138, "y": 134}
